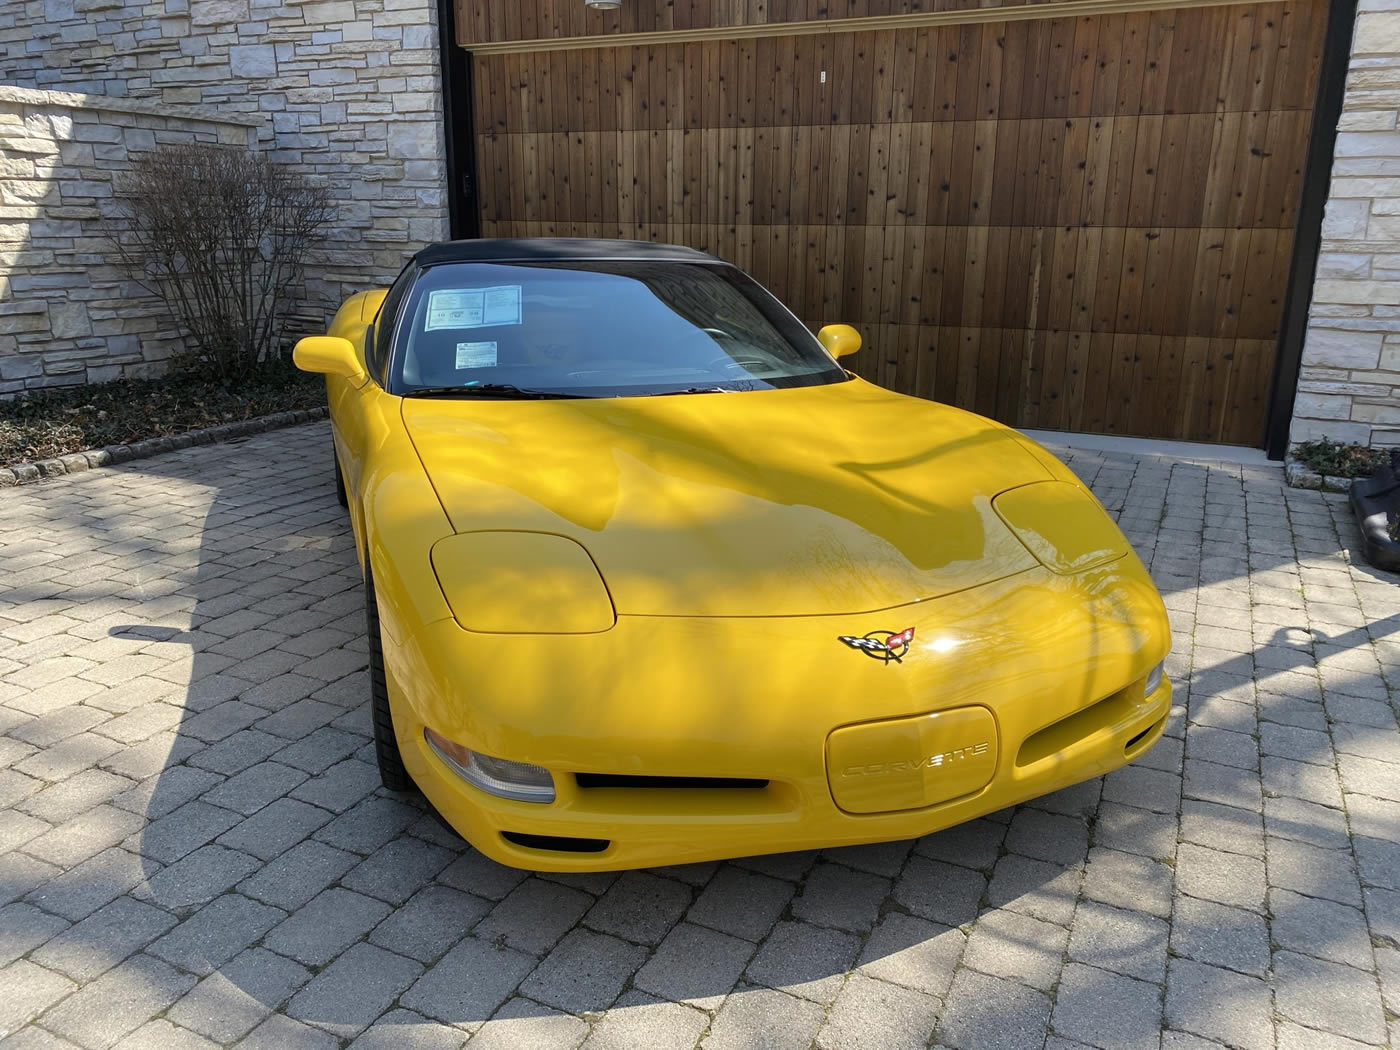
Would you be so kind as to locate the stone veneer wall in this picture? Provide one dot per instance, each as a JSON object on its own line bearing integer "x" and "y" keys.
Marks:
{"x": 68, "y": 313}
{"x": 348, "y": 90}
{"x": 1349, "y": 386}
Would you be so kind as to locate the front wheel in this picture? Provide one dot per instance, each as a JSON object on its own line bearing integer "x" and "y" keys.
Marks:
{"x": 386, "y": 745}
{"x": 341, "y": 496}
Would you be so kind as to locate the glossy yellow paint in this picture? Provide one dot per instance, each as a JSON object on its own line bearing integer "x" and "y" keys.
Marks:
{"x": 329, "y": 355}
{"x": 1064, "y": 527}
{"x": 522, "y": 583}
{"x": 840, "y": 340}
{"x": 912, "y": 763}
{"x": 737, "y": 536}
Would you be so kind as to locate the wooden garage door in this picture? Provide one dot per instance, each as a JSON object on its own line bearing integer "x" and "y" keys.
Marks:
{"x": 1073, "y": 223}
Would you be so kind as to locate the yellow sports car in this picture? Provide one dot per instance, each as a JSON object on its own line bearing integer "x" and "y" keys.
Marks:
{"x": 651, "y": 578}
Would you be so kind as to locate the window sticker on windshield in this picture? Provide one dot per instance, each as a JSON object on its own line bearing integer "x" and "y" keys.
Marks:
{"x": 476, "y": 355}
{"x": 473, "y": 307}
{"x": 501, "y": 304}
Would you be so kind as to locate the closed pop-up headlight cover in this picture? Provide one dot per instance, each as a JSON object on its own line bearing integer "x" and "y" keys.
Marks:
{"x": 1066, "y": 529}
{"x": 522, "y": 583}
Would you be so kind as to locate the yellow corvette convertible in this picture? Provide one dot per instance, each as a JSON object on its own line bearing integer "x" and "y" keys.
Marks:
{"x": 651, "y": 578}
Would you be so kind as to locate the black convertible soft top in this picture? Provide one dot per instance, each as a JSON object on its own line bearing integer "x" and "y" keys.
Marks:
{"x": 530, "y": 249}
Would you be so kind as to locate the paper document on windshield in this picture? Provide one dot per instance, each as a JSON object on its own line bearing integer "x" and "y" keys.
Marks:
{"x": 476, "y": 355}
{"x": 473, "y": 307}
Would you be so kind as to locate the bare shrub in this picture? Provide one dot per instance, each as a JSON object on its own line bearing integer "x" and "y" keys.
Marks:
{"x": 218, "y": 235}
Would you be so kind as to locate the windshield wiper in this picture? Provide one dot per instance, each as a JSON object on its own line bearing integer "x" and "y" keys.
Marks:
{"x": 501, "y": 390}
{"x": 692, "y": 390}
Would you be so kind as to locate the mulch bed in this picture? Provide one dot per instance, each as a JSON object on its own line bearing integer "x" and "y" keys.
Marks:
{"x": 50, "y": 423}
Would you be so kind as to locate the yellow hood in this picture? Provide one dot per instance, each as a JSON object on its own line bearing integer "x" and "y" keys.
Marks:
{"x": 802, "y": 501}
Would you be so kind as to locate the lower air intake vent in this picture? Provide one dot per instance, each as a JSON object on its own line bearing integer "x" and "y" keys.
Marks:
{"x": 618, "y": 780}
{"x": 556, "y": 843}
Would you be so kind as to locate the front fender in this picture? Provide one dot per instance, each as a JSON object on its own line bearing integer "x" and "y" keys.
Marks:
{"x": 401, "y": 519}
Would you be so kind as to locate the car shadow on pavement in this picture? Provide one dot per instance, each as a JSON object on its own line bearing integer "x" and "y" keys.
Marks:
{"x": 216, "y": 853}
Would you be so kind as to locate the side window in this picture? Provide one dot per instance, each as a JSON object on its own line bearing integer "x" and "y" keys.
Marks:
{"x": 384, "y": 323}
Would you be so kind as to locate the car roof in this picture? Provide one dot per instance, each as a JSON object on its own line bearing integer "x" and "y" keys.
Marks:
{"x": 531, "y": 249}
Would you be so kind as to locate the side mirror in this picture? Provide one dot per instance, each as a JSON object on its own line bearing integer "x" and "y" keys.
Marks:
{"x": 840, "y": 340}
{"x": 329, "y": 355}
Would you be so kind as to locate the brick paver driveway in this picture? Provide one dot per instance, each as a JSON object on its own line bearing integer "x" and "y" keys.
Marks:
{"x": 196, "y": 851}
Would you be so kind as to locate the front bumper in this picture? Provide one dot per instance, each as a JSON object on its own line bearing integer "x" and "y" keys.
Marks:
{"x": 1058, "y": 662}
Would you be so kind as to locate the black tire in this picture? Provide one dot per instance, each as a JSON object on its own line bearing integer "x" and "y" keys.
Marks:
{"x": 341, "y": 496}
{"x": 386, "y": 745}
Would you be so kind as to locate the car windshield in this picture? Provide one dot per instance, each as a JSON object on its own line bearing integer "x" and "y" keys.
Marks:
{"x": 598, "y": 329}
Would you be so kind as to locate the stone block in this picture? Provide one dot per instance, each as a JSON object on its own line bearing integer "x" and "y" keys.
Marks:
{"x": 1346, "y": 219}
{"x": 1342, "y": 348}
{"x": 252, "y": 60}
{"x": 1386, "y": 414}
{"x": 1377, "y": 33}
{"x": 69, "y": 321}
{"x": 1382, "y": 227}
{"x": 415, "y": 140}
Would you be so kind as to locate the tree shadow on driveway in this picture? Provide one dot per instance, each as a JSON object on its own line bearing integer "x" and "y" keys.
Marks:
{"x": 205, "y": 844}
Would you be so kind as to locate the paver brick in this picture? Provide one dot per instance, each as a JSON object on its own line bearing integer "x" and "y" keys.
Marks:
{"x": 324, "y": 927}
{"x": 216, "y": 933}
{"x": 355, "y": 989}
{"x": 1226, "y": 785}
{"x": 989, "y": 1013}
{"x": 1126, "y": 942}
{"x": 406, "y": 1030}
{"x": 1128, "y": 829}
{"x": 1108, "y": 1010}
{"x": 872, "y": 1013}
{"x": 913, "y": 952}
{"x": 228, "y": 1003}
{"x": 838, "y": 896}
{"x": 764, "y": 1019}
{"x": 1145, "y": 788}
{"x": 1322, "y": 928}
{"x": 1008, "y": 944}
{"x": 975, "y": 844}
{"x": 253, "y": 788}
{"x": 29, "y": 990}
{"x": 1128, "y": 881}
{"x": 298, "y": 874}
{"x": 118, "y": 1002}
{"x": 103, "y": 939}
{"x": 695, "y": 965}
{"x": 1227, "y": 828}
{"x": 83, "y": 836}
{"x": 1329, "y": 996}
{"x": 743, "y": 903}
{"x": 639, "y": 907}
{"x": 1222, "y": 936}
{"x": 1046, "y": 836}
{"x": 1292, "y": 818}
{"x": 368, "y": 825}
{"x": 467, "y": 984}
{"x": 525, "y": 1025}
{"x": 585, "y": 972}
{"x": 639, "y": 1020}
{"x": 74, "y": 893}
{"x": 429, "y": 923}
{"x": 534, "y": 916}
{"x": 280, "y": 1032}
{"x": 875, "y": 858}
{"x": 805, "y": 960}
{"x": 1219, "y": 1004}
{"x": 1313, "y": 871}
